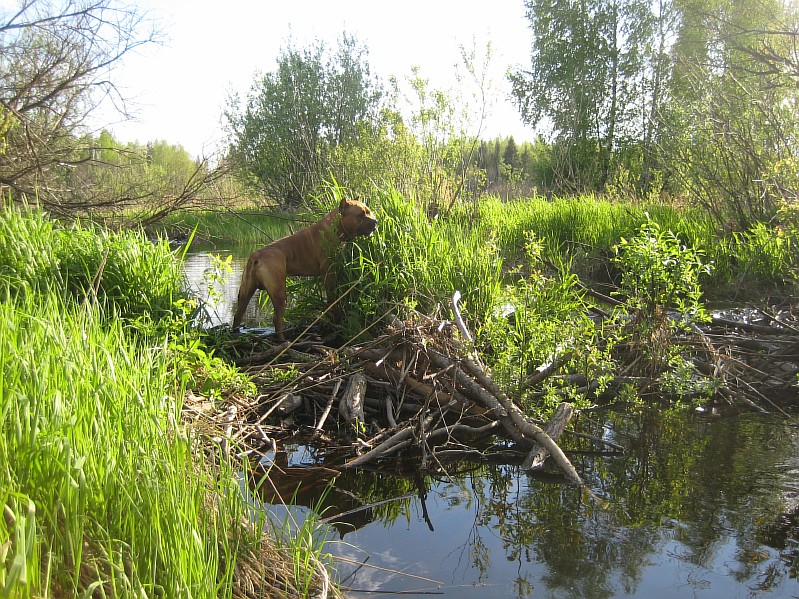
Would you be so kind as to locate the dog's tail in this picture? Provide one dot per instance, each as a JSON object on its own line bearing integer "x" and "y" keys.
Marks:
{"x": 246, "y": 291}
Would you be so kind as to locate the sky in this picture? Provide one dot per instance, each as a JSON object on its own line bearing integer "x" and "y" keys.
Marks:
{"x": 179, "y": 89}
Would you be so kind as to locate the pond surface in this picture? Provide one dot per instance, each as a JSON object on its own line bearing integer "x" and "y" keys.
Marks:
{"x": 698, "y": 505}
{"x": 199, "y": 267}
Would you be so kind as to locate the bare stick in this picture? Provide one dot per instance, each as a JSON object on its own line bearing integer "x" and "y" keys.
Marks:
{"x": 329, "y": 406}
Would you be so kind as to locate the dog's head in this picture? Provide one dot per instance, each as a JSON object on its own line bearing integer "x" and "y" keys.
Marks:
{"x": 357, "y": 220}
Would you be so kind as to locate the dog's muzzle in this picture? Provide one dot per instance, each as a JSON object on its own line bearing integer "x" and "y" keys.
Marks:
{"x": 367, "y": 228}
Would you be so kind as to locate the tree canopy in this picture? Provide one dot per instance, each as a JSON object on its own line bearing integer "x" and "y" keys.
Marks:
{"x": 294, "y": 117}
{"x": 694, "y": 97}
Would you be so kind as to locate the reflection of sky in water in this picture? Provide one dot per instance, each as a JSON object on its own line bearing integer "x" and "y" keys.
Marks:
{"x": 199, "y": 269}
{"x": 501, "y": 534}
{"x": 659, "y": 565}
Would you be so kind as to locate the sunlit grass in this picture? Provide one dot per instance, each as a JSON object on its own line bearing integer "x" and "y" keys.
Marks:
{"x": 244, "y": 227}
{"x": 103, "y": 491}
{"x": 90, "y": 438}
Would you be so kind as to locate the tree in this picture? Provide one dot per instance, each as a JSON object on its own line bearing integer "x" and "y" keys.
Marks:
{"x": 585, "y": 80}
{"x": 655, "y": 90}
{"x": 57, "y": 58}
{"x": 733, "y": 129}
{"x": 295, "y": 116}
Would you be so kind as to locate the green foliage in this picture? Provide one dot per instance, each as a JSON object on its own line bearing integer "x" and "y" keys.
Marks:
{"x": 26, "y": 256}
{"x": 542, "y": 319}
{"x": 100, "y": 484}
{"x": 410, "y": 261}
{"x": 90, "y": 409}
{"x": 247, "y": 226}
{"x": 692, "y": 99}
{"x": 215, "y": 277}
{"x": 767, "y": 251}
{"x": 587, "y": 62}
{"x": 139, "y": 182}
{"x": 197, "y": 368}
{"x": 659, "y": 272}
{"x": 297, "y": 115}
{"x": 134, "y": 277}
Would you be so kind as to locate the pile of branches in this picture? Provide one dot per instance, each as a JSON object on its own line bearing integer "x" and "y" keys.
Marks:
{"x": 419, "y": 390}
{"x": 415, "y": 390}
{"x": 744, "y": 357}
{"x": 752, "y": 357}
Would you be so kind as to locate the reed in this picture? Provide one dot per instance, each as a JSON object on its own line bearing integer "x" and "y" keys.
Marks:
{"x": 480, "y": 249}
{"x": 90, "y": 438}
{"x": 102, "y": 490}
{"x": 570, "y": 227}
{"x": 583, "y": 232}
{"x": 126, "y": 272}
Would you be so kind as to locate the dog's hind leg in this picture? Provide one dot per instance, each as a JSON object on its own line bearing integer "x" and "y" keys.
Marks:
{"x": 276, "y": 288}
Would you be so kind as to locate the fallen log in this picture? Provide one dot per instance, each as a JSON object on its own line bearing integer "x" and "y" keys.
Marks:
{"x": 554, "y": 428}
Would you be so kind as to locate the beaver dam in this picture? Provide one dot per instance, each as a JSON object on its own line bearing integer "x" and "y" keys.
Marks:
{"x": 418, "y": 395}
{"x": 410, "y": 423}
{"x": 416, "y": 401}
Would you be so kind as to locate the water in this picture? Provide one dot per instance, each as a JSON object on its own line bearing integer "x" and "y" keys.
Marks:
{"x": 698, "y": 506}
{"x": 695, "y": 508}
{"x": 199, "y": 271}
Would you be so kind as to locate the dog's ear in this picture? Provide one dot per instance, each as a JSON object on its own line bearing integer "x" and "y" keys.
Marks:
{"x": 342, "y": 206}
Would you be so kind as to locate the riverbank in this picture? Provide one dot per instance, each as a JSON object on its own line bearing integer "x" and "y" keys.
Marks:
{"x": 102, "y": 489}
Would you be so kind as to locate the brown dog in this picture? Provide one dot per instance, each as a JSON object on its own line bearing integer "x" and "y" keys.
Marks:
{"x": 306, "y": 253}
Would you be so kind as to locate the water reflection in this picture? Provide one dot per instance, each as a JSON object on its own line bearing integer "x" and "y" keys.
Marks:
{"x": 691, "y": 510}
{"x": 220, "y": 305}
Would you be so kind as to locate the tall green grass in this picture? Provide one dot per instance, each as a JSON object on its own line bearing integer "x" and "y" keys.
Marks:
{"x": 91, "y": 441}
{"x": 412, "y": 262}
{"x": 584, "y": 232}
{"x": 103, "y": 491}
{"x": 571, "y": 228}
{"x": 125, "y": 272}
{"x": 232, "y": 227}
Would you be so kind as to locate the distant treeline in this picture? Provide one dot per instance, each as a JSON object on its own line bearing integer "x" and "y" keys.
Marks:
{"x": 693, "y": 102}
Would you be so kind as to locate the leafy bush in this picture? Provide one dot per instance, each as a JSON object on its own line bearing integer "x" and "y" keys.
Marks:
{"x": 135, "y": 277}
{"x": 659, "y": 275}
{"x": 659, "y": 272}
{"x": 542, "y": 319}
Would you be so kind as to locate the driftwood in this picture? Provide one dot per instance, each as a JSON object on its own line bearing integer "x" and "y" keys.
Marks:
{"x": 418, "y": 395}
{"x": 416, "y": 391}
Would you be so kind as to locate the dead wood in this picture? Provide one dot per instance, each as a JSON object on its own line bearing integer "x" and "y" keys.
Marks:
{"x": 554, "y": 428}
{"x": 415, "y": 390}
{"x": 419, "y": 396}
{"x": 351, "y": 405}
